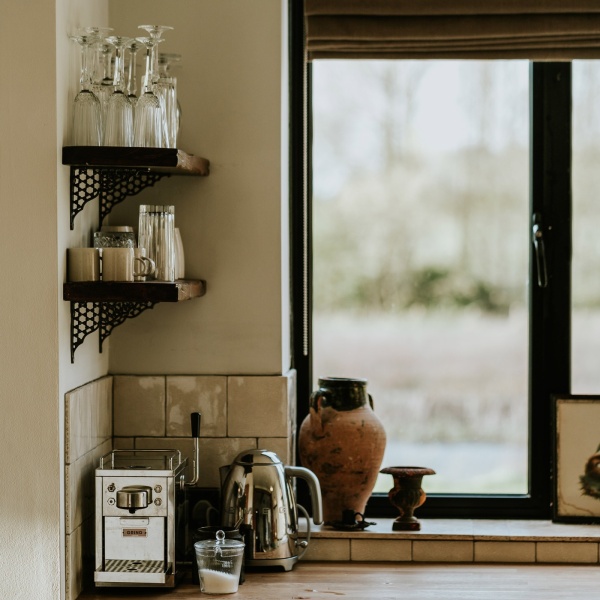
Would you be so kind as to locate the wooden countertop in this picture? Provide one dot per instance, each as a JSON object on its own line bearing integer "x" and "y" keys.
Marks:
{"x": 393, "y": 581}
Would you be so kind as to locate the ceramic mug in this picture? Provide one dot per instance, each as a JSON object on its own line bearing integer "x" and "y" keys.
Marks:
{"x": 140, "y": 255}
{"x": 121, "y": 264}
{"x": 83, "y": 264}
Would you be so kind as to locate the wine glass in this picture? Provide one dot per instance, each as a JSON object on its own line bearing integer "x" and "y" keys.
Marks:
{"x": 155, "y": 32}
{"x": 100, "y": 68}
{"x": 134, "y": 47}
{"x": 166, "y": 91}
{"x": 148, "y": 127}
{"x": 86, "y": 127}
{"x": 118, "y": 129}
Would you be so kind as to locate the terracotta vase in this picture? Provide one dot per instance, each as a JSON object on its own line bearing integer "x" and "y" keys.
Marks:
{"x": 342, "y": 441}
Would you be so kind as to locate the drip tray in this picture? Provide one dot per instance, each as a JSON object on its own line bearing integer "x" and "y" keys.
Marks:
{"x": 134, "y": 566}
{"x": 134, "y": 572}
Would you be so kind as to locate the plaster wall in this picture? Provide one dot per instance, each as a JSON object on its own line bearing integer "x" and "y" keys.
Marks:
{"x": 34, "y": 337}
{"x": 230, "y": 82}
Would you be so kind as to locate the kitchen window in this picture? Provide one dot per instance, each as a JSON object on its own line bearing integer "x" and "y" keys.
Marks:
{"x": 447, "y": 276}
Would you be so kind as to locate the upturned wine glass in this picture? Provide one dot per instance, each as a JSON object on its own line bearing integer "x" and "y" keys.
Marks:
{"x": 86, "y": 129}
{"x": 166, "y": 90}
{"x": 148, "y": 127}
{"x": 134, "y": 47}
{"x": 119, "y": 112}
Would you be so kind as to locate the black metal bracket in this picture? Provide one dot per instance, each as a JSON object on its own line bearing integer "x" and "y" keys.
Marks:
{"x": 111, "y": 184}
{"x": 87, "y": 317}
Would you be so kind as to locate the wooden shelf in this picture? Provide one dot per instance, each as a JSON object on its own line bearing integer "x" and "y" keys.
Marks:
{"x": 136, "y": 291}
{"x": 160, "y": 160}
{"x": 113, "y": 173}
{"x": 104, "y": 305}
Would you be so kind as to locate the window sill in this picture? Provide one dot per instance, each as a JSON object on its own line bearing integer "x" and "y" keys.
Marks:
{"x": 460, "y": 540}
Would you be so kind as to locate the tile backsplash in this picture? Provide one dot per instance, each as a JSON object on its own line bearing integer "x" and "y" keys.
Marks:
{"x": 153, "y": 411}
{"x": 88, "y": 436}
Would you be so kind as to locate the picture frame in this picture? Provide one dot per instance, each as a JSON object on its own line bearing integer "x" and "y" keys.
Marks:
{"x": 576, "y": 464}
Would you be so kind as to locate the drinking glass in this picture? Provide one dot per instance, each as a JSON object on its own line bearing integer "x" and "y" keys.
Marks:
{"x": 118, "y": 129}
{"x": 156, "y": 233}
{"x": 166, "y": 91}
{"x": 102, "y": 82}
{"x": 148, "y": 126}
{"x": 86, "y": 129}
{"x": 131, "y": 74}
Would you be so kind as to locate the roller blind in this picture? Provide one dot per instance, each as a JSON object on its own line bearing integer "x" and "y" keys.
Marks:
{"x": 422, "y": 29}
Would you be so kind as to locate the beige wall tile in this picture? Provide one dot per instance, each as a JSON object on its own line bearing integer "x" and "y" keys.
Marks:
{"x": 258, "y": 406}
{"x": 78, "y": 424}
{"x": 505, "y": 552}
{"x": 80, "y": 482}
{"x": 218, "y": 452}
{"x": 104, "y": 417}
{"x": 139, "y": 406}
{"x": 381, "y": 550}
{"x": 281, "y": 447}
{"x": 88, "y": 418}
{"x": 123, "y": 443}
{"x": 328, "y": 550}
{"x": 439, "y": 551}
{"x": 206, "y": 395}
{"x": 567, "y": 552}
{"x": 73, "y": 565}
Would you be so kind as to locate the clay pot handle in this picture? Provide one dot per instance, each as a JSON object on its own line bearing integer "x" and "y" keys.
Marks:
{"x": 315, "y": 407}
{"x": 371, "y": 402}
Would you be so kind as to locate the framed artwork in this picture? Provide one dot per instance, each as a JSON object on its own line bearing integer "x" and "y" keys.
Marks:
{"x": 577, "y": 458}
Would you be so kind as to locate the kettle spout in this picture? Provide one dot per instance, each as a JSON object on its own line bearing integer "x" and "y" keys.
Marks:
{"x": 314, "y": 487}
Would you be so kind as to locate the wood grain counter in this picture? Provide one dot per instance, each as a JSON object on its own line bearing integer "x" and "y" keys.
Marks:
{"x": 394, "y": 581}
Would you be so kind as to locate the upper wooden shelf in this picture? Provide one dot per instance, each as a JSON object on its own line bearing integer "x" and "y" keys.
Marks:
{"x": 135, "y": 291}
{"x": 160, "y": 160}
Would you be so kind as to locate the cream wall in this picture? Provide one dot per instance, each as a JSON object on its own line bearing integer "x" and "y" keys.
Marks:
{"x": 34, "y": 368}
{"x": 230, "y": 89}
{"x": 231, "y": 93}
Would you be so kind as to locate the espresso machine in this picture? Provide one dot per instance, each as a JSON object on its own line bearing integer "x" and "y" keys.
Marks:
{"x": 141, "y": 516}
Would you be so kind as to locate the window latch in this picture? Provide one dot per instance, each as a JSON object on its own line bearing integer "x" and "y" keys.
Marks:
{"x": 537, "y": 237}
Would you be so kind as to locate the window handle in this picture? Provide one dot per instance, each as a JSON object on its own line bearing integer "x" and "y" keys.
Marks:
{"x": 537, "y": 238}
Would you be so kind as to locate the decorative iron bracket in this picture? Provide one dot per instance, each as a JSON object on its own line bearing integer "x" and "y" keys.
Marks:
{"x": 111, "y": 184}
{"x": 87, "y": 317}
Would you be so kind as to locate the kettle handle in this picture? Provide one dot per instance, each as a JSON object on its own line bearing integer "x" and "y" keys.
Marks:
{"x": 314, "y": 488}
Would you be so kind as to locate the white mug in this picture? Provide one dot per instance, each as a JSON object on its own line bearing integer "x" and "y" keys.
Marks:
{"x": 83, "y": 264}
{"x": 121, "y": 264}
{"x": 149, "y": 265}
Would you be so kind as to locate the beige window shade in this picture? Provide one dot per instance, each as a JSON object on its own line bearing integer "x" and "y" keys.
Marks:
{"x": 422, "y": 29}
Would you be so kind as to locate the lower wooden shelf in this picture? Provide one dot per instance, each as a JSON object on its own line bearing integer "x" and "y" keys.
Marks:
{"x": 104, "y": 305}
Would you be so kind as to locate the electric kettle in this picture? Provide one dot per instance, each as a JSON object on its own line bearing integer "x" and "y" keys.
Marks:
{"x": 257, "y": 497}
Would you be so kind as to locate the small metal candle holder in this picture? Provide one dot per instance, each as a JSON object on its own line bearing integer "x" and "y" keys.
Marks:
{"x": 407, "y": 495}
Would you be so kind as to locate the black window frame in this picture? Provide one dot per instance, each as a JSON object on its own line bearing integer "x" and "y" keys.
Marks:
{"x": 549, "y": 307}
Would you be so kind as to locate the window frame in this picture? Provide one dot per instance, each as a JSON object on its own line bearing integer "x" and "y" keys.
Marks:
{"x": 549, "y": 308}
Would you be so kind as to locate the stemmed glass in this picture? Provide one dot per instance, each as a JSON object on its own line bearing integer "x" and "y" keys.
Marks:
{"x": 119, "y": 113}
{"x": 101, "y": 74}
{"x": 148, "y": 129}
{"x": 131, "y": 74}
{"x": 87, "y": 125}
{"x": 166, "y": 90}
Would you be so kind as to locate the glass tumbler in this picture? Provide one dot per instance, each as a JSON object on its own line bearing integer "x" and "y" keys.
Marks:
{"x": 219, "y": 564}
{"x": 156, "y": 233}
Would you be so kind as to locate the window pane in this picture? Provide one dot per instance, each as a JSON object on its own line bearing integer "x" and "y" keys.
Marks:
{"x": 420, "y": 259}
{"x": 585, "y": 347}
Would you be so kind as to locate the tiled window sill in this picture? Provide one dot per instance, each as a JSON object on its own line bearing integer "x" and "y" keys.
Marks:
{"x": 464, "y": 541}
